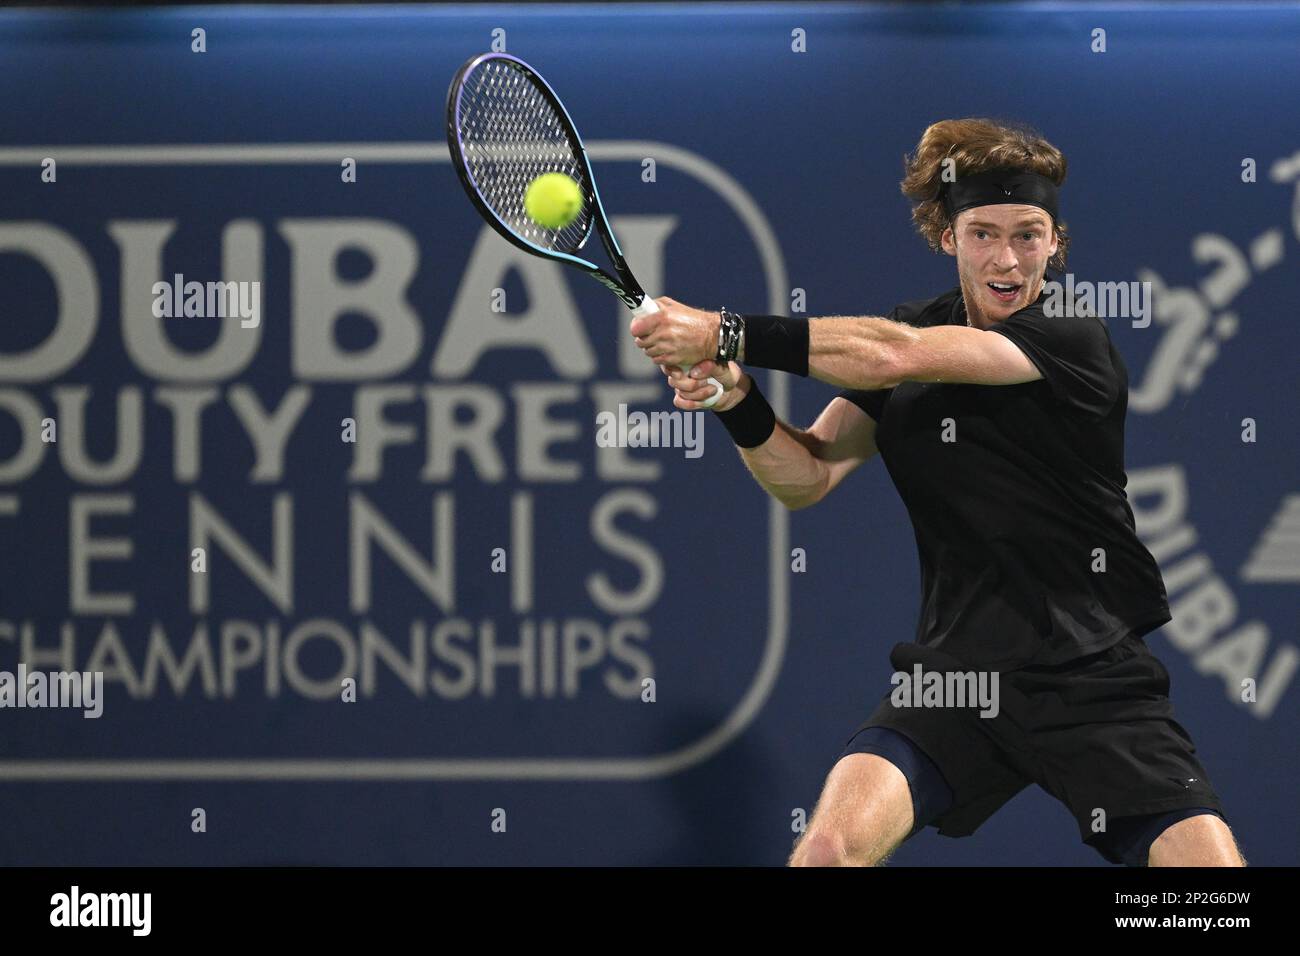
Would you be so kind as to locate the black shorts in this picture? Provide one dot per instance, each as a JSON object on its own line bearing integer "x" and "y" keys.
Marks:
{"x": 1097, "y": 733}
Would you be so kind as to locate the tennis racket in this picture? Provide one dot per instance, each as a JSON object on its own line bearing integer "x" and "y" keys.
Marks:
{"x": 506, "y": 127}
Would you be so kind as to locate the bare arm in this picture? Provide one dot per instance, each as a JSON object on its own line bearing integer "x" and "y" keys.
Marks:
{"x": 799, "y": 467}
{"x": 796, "y": 466}
{"x": 851, "y": 352}
{"x": 869, "y": 352}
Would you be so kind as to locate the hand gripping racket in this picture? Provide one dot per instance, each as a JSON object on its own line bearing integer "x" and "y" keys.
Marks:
{"x": 506, "y": 127}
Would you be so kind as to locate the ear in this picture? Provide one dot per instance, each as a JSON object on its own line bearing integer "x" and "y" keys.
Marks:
{"x": 948, "y": 240}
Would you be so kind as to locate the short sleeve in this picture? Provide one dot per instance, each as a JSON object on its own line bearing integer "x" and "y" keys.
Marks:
{"x": 1072, "y": 352}
{"x": 872, "y": 401}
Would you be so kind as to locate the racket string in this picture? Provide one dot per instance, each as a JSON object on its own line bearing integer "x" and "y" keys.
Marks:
{"x": 510, "y": 134}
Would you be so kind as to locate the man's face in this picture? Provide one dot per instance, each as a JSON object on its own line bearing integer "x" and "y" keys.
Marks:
{"x": 1000, "y": 245}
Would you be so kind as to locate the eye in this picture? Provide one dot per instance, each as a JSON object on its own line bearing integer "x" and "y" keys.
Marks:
{"x": 980, "y": 233}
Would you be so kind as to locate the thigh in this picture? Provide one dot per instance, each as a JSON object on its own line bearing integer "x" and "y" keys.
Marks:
{"x": 863, "y": 813}
{"x": 983, "y": 761}
{"x": 1107, "y": 744}
{"x": 929, "y": 791}
{"x": 1194, "y": 836}
{"x": 1202, "y": 839}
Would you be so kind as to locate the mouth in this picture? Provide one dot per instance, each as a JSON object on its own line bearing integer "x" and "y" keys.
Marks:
{"x": 1004, "y": 291}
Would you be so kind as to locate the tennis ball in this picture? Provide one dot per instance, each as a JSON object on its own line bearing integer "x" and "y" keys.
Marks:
{"x": 553, "y": 200}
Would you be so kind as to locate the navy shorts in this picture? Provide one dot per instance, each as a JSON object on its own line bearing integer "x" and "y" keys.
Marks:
{"x": 1097, "y": 733}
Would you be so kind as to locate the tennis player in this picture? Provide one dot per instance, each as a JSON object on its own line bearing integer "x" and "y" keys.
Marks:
{"x": 1002, "y": 428}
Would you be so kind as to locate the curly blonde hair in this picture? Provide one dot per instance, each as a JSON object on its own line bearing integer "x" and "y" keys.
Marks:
{"x": 975, "y": 145}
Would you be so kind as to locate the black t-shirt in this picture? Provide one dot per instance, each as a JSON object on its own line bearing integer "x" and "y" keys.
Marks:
{"x": 1008, "y": 513}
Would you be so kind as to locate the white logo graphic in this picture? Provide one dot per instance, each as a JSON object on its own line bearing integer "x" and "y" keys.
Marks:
{"x": 1256, "y": 667}
{"x": 1199, "y": 319}
{"x": 315, "y": 356}
{"x": 1207, "y": 622}
{"x": 1276, "y": 555}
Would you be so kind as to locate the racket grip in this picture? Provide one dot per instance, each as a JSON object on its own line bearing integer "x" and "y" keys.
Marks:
{"x": 648, "y": 306}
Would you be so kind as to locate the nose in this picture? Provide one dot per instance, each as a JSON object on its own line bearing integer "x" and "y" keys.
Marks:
{"x": 1005, "y": 259}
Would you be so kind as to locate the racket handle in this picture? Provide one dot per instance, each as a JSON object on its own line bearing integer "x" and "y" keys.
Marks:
{"x": 648, "y": 306}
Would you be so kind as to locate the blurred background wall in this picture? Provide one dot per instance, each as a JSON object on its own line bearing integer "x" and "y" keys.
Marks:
{"x": 749, "y": 156}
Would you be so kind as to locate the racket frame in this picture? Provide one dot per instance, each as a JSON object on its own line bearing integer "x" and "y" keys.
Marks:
{"x": 623, "y": 283}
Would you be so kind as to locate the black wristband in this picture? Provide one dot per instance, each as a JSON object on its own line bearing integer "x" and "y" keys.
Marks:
{"x": 751, "y": 421}
{"x": 774, "y": 341}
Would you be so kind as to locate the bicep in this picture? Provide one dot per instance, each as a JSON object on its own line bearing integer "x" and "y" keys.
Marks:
{"x": 963, "y": 355}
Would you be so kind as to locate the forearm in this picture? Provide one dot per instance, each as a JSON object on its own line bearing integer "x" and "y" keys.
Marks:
{"x": 782, "y": 458}
{"x": 786, "y": 467}
{"x": 848, "y": 351}
{"x": 857, "y": 352}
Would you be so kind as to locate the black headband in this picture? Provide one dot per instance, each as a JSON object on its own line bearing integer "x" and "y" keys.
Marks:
{"x": 996, "y": 186}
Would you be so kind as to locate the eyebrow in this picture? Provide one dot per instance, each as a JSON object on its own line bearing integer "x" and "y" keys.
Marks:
{"x": 1032, "y": 221}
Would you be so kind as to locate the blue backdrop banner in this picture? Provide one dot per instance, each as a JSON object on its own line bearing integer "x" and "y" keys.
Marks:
{"x": 364, "y": 583}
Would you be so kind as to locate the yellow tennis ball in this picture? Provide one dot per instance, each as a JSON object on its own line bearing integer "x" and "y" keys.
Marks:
{"x": 553, "y": 200}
